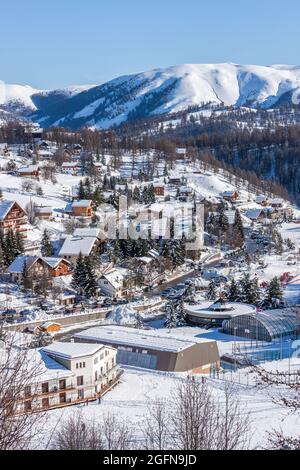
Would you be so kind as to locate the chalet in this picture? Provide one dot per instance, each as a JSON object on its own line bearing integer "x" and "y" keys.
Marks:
{"x": 175, "y": 180}
{"x": 73, "y": 246}
{"x": 262, "y": 200}
{"x": 256, "y": 215}
{"x": 44, "y": 212}
{"x": 50, "y": 327}
{"x": 37, "y": 266}
{"x": 113, "y": 283}
{"x": 12, "y": 216}
{"x": 231, "y": 196}
{"x": 159, "y": 189}
{"x": 71, "y": 168}
{"x": 44, "y": 145}
{"x": 82, "y": 208}
{"x": 30, "y": 171}
{"x": 277, "y": 203}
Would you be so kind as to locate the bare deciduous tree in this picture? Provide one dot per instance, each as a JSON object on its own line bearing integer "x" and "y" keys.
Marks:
{"x": 18, "y": 372}
{"x": 78, "y": 433}
{"x": 156, "y": 427}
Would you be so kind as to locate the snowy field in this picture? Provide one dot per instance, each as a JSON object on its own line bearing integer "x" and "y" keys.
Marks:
{"x": 132, "y": 397}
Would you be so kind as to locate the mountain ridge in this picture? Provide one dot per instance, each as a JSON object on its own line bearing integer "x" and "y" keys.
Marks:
{"x": 154, "y": 92}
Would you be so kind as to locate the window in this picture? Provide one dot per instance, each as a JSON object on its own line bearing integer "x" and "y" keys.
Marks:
{"x": 45, "y": 387}
{"x": 80, "y": 394}
{"x": 83, "y": 364}
{"x": 80, "y": 380}
{"x": 76, "y": 365}
{"x": 106, "y": 352}
{"x": 27, "y": 405}
{"x": 101, "y": 356}
{"x": 45, "y": 403}
{"x": 96, "y": 360}
{"x": 62, "y": 384}
{"x": 27, "y": 391}
{"x": 96, "y": 375}
{"x": 62, "y": 398}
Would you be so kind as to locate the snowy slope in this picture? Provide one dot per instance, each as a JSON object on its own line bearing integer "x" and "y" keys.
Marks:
{"x": 20, "y": 94}
{"x": 174, "y": 89}
{"x": 158, "y": 91}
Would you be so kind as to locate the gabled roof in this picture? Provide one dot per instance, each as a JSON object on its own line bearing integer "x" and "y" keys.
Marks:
{"x": 28, "y": 169}
{"x": 18, "y": 264}
{"x": 82, "y": 203}
{"x": 6, "y": 206}
{"x": 253, "y": 214}
{"x": 115, "y": 277}
{"x": 53, "y": 261}
{"x": 229, "y": 193}
{"x": 87, "y": 232}
{"x": 74, "y": 245}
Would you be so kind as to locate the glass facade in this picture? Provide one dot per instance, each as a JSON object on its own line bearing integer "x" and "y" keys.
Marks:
{"x": 263, "y": 326}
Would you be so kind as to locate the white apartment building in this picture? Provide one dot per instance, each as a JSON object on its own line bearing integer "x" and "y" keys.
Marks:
{"x": 71, "y": 373}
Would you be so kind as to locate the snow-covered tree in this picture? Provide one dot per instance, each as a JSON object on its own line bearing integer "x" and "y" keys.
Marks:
{"x": 211, "y": 293}
{"x": 47, "y": 248}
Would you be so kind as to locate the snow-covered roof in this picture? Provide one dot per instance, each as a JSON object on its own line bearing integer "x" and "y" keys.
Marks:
{"x": 18, "y": 264}
{"x": 72, "y": 350}
{"x": 229, "y": 193}
{"x": 253, "y": 214}
{"x": 86, "y": 232}
{"x": 5, "y": 207}
{"x": 53, "y": 261}
{"x": 82, "y": 203}
{"x": 74, "y": 245}
{"x": 150, "y": 339}
{"x": 261, "y": 198}
{"x": 115, "y": 277}
{"x": 28, "y": 169}
{"x": 70, "y": 165}
{"x": 43, "y": 209}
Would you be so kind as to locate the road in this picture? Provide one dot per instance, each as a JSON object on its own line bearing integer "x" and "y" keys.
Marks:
{"x": 184, "y": 277}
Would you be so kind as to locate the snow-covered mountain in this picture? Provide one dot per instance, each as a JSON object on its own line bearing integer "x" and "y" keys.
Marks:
{"x": 159, "y": 91}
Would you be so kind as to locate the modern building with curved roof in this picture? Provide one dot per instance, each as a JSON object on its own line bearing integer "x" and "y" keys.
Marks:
{"x": 208, "y": 312}
{"x": 263, "y": 326}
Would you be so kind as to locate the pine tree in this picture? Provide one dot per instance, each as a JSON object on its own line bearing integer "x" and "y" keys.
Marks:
{"x": 79, "y": 275}
{"x": 19, "y": 244}
{"x": 238, "y": 228}
{"x": 222, "y": 221}
{"x": 249, "y": 290}
{"x": 136, "y": 194}
{"x": 47, "y": 249}
{"x": 233, "y": 292}
{"x": 211, "y": 293}
{"x": 81, "y": 191}
{"x": 98, "y": 197}
{"x": 274, "y": 293}
{"x": 27, "y": 281}
{"x": 90, "y": 287}
{"x": 171, "y": 316}
{"x": 3, "y": 265}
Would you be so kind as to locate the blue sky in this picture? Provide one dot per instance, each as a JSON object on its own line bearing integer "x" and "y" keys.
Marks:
{"x": 58, "y": 43}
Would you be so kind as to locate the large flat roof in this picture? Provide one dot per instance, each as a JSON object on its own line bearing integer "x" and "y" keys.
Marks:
{"x": 210, "y": 309}
{"x": 149, "y": 339}
{"x": 72, "y": 350}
